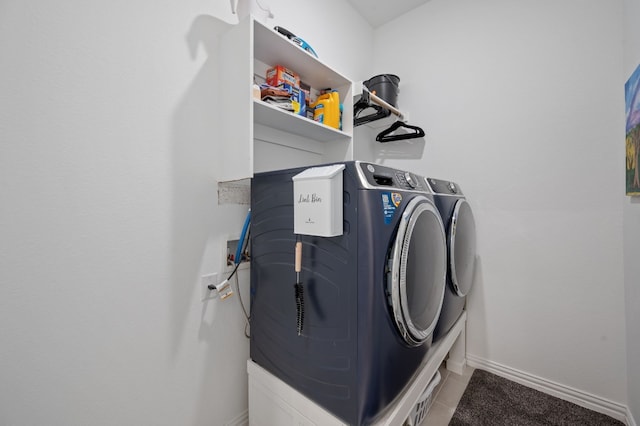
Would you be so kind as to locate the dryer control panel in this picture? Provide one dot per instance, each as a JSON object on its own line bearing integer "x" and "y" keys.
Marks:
{"x": 440, "y": 186}
{"x": 376, "y": 176}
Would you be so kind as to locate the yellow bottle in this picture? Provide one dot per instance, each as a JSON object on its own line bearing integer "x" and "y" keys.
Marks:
{"x": 326, "y": 109}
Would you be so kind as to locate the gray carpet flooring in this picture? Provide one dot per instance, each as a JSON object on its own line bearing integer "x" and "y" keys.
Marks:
{"x": 495, "y": 401}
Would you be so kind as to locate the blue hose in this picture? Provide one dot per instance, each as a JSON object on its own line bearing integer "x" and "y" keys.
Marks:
{"x": 243, "y": 236}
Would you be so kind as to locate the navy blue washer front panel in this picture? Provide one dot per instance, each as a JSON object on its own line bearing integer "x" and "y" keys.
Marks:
{"x": 350, "y": 359}
{"x": 321, "y": 363}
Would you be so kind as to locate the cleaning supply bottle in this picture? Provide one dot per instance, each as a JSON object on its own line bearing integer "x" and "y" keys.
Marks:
{"x": 326, "y": 109}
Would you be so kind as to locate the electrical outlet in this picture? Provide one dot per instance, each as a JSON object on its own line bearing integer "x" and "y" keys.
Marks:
{"x": 205, "y": 282}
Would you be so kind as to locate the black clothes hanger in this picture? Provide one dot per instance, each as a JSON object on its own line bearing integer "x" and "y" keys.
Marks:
{"x": 365, "y": 103}
{"x": 384, "y": 136}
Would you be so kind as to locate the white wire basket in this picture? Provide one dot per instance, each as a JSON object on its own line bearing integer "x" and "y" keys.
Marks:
{"x": 424, "y": 403}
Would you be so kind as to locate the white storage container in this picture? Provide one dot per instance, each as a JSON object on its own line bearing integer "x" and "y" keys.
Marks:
{"x": 317, "y": 201}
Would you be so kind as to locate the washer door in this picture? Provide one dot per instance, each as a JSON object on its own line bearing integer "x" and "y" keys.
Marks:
{"x": 462, "y": 248}
{"x": 417, "y": 271}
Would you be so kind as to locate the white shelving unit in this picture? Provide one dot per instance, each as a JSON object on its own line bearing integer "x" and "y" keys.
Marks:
{"x": 257, "y": 136}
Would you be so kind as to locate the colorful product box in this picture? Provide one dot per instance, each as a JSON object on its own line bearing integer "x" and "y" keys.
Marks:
{"x": 297, "y": 99}
{"x": 307, "y": 91}
{"x": 280, "y": 75}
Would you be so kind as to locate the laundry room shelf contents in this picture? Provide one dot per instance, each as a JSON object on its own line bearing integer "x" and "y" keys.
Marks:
{"x": 257, "y": 136}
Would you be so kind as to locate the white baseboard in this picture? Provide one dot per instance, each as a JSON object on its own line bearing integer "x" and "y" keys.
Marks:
{"x": 241, "y": 419}
{"x": 578, "y": 397}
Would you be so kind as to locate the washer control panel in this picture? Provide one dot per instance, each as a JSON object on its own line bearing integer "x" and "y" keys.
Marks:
{"x": 378, "y": 176}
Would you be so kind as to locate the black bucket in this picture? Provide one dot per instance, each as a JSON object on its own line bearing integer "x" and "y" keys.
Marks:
{"x": 385, "y": 87}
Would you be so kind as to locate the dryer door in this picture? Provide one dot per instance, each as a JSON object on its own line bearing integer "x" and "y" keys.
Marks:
{"x": 462, "y": 248}
{"x": 417, "y": 271}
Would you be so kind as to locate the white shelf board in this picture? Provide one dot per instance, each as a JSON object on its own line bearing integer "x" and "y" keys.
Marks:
{"x": 274, "y": 117}
{"x": 273, "y": 48}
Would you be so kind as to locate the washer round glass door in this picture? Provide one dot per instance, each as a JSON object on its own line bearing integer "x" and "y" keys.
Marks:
{"x": 417, "y": 271}
{"x": 462, "y": 248}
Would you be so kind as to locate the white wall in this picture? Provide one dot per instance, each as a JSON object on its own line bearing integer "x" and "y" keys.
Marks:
{"x": 523, "y": 106}
{"x": 631, "y": 211}
{"x": 109, "y": 215}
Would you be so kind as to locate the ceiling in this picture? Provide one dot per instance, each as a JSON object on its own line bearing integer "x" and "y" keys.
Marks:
{"x": 378, "y": 12}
